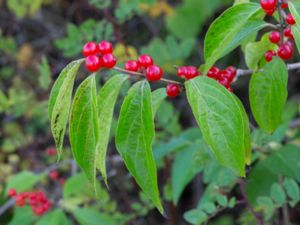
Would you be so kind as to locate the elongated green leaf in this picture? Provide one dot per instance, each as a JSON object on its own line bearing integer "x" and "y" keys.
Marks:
{"x": 268, "y": 94}
{"x": 221, "y": 120}
{"x": 86, "y": 216}
{"x": 60, "y": 102}
{"x": 230, "y": 29}
{"x": 157, "y": 97}
{"x": 296, "y": 33}
{"x": 134, "y": 137}
{"x": 295, "y": 10}
{"x": 106, "y": 103}
{"x": 57, "y": 217}
{"x": 84, "y": 127}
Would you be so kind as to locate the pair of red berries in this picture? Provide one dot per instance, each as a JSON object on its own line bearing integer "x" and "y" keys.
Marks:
{"x": 224, "y": 77}
{"x": 269, "y": 6}
{"x": 275, "y": 37}
{"x": 98, "y": 56}
{"x": 54, "y": 176}
{"x": 285, "y": 52}
{"x": 38, "y": 201}
{"x": 145, "y": 63}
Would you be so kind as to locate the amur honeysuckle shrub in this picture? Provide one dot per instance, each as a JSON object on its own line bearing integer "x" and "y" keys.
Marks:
{"x": 221, "y": 116}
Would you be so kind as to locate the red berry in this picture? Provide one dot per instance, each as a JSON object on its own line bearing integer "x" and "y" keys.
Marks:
{"x": 20, "y": 201}
{"x": 268, "y": 4}
{"x": 270, "y": 12}
{"x": 54, "y": 175}
{"x": 90, "y": 48}
{"x": 105, "y": 47}
{"x": 214, "y": 72}
{"x": 39, "y": 211}
{"x": 93, "y": 63}
{"x": 51, "y": 151}
{"x": 285, "y": 51}
{"x": 154, "y": 73}
{"x": 191, "y": 72}
{"x": 145, "y": 61}
{"x": 284, "y": 5}
{"x": 109, "y": 61}
{"x": 231, "y": 73}
{"x": 132, "y": 65}
{"x": 224, "y": 81}
{"x": 173, "y": 90}
{"x": 288, "y": 33}
{"x": 12, "y": 192}
{"x": 269, "y": 55}
{"x": 274, "y": 37}
{"x": 290, "y": 19}
{"x": 182, "y": 71}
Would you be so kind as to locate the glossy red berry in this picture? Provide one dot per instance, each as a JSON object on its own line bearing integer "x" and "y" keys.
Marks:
{"x": 284, "y": 5}
{"x": 285, "y": 51}
{"x": 191, "y": 72}
{"x": 90, "y": 48}
{"x": 182, "y": 71}
{"x": 269, "y": 55}
{"x": 12, "y": 192}
{"x": 20, "y": 201}
{"x": 132, "y": 65}
{"x": 288, "y": 33}
{"x": 154, "y": 73}
{"x": 145, "y": 61}
{"x": 109, "y": 61}
{"x": 231, "y": 73}
{"x": 270, "y": 12}
{"x": 54, "y": 175}
{"x": 173, "y": 90}
{"x": 268, "y": 4}
{"x": 214, "y": 72}
{"x": 93, "y": 63}
{"x": 105, "y": 47}
{"x": 290, "y": 19}
{"x": 274, "y": 37}
{"x": 224, "y": 81}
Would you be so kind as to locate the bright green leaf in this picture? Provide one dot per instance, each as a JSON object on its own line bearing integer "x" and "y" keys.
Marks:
{"x": 86, "y": 216}
{"x": 295, "y": 10}
{"x": 57, "y": 217}
{"x": 107, "y": 98}
{"x": 268, "y": 94}
{"x": 230, "y": 29}
{"x": 134, "y": 138}
{"x": 84, "y": 127}
{"x": 23, "y": 216}
{"x": 23, "y": 181}
{"x": 60, "y": 102}
{"x": 296, "y": 33}
{"x": 157, "y": 97}
{"x": 221, "y": 120}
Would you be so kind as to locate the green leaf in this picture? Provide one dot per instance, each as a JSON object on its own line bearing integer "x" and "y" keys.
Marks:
{"x": 268, "y": 94}
{"x": 267, "y": 205}
{"x": 296, "y": 33}
{"x": 56, "y": 217}
{"x": 23, "y": 216}
{"x": 208, "y": 207}
{"x": 23, "y": 181}
{"x": 278, "y": 194}
{"x": 195, "y": 216}
{"x": 84, "y": 127}
{"x": 295, "y": 10}
{"x": 255, "y": 51}
{"x": 230, "y": 29}
{"x": 292, "y": 189}
{"x": 87, "y": 216}
{"x": 107, "y": 98}
{"x": 60, "y": 102}
{"x": 221, "y": 120}
{"x": 222, "y": 200}
{"x": 184, "y": 170}
{"x": 157, "y": 97}
{"x": 134, "y": 138}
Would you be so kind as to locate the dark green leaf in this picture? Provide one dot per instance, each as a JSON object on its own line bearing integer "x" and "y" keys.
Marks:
{"x": 268, "y": 94}
{"x": 221, "y": 120}
{"x": 134, "y": 138}
{"x": 278, "y": 194}
{"x": 84, "y": 127}
{"x": 60, "y": 102}
{"x": 292, "y": 189}
{"x": 107, "y": 98}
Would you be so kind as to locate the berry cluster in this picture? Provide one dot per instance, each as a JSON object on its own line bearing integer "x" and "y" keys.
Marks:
{"x": 224, "y": 77}
{"x": 38, "y": 201}
{"x": 286, "y": 48}
{"x": 98, "y": 56}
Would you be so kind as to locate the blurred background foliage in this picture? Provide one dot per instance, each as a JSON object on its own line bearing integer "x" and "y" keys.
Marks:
{"x": 39, "y": 37}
